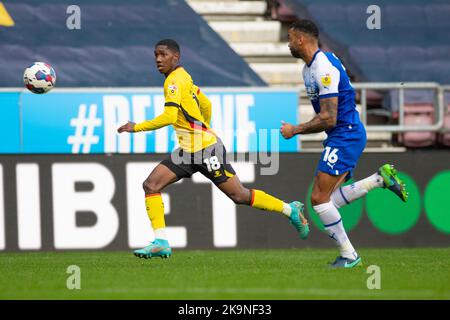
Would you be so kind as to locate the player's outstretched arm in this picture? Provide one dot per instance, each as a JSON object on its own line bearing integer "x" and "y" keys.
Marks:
{"x": 325, "y": 120}
{"x": 169, "y": 116}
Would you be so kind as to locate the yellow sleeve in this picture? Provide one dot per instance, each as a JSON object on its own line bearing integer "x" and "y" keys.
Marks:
{"x": 205, "y": 106}
{"x": 169, "y": 116}
{"x": 172, "y": 92}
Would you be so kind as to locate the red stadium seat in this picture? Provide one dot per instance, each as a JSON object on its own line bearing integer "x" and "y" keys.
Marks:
{"x": 444, "y": 138}
{"x": 285, "y": 14}
{"x": 278, "y": 10}
{"x": 418, "y": 114}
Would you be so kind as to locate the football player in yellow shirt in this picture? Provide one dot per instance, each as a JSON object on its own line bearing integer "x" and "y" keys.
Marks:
{"x": 188, "y": 110}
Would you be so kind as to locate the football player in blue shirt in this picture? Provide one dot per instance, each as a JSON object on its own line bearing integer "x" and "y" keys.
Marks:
{"x": 333, "y": 99}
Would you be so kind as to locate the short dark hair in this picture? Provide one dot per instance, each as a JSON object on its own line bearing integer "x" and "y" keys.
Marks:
{"x": 306, "y": 26}
{"x": 171, "y": 44}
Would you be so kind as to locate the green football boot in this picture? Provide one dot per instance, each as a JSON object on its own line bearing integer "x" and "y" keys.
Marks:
{"x": 298, "y": 220}
{"x": 157, "y": 248}
{"x": 342, "y": 262}
{"x": 393, "y": 182}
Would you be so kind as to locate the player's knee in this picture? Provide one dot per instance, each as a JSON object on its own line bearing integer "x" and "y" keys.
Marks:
{"x": 239, "y": 197}
{"x": 151, "y": 186}
{"x": 319, "y": 198}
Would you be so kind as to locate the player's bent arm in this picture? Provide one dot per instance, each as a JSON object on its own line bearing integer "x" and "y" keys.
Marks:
{"x": 325, "y": 120}
{"x": 169, "y": 116}
{"x": 205, "y": 107}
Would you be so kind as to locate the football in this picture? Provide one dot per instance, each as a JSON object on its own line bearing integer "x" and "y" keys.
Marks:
{"x": 39, "y": 77}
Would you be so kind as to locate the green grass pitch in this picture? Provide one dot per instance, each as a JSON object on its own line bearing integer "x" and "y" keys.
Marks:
{"x": 226, "y": 274}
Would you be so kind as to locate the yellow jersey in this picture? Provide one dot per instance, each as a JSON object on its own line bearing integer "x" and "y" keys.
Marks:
{"x": 187, "y": 109}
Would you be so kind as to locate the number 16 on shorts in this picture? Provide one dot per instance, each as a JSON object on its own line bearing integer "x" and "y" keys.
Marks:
{"x": 330, "y": 156}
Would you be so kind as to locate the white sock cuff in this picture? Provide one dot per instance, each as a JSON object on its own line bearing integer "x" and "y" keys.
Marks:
{"x": 160, "y": 233}
{"x": 323, "y": 207}
{"x": 287, "y": 210}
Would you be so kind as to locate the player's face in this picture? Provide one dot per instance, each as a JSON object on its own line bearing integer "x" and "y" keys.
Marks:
{"x": 166, "y": 60}
{"x": 294, "y": 45}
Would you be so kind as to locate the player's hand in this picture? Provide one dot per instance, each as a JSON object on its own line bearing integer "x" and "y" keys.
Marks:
{"x": 287, "y": 130}
{"x": 127, "y": 127}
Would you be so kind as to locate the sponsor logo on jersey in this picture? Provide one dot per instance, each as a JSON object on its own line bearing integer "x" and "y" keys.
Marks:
{"x": 326, "y": 80}
{"x": 172, "y": 88}
{"x": 312, "y": 93}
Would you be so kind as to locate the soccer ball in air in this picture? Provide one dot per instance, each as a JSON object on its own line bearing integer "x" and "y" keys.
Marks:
{"x": 39, "y": 77}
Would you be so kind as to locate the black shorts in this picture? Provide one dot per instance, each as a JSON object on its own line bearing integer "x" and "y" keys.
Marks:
{"x": 211, "y": 162}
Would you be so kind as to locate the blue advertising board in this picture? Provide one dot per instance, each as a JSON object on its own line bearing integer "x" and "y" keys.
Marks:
{"x": 10, "y": 116}
{"x": 86, "y": 120}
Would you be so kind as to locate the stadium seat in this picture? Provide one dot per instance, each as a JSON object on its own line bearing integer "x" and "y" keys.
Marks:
{"x": 418, "y": 114}
{"x": 419, "y": 96}
{"x": 440, "y": 71}
{"x": 444, "y": 138}
{"x": 429, "y": 71}
{"x": 109, "y": 37}
{"x": 411, "y": 97}
{"x": 57, "y": 12}
{"x": 404, "y": 15}
{"x": 8, "y": 72}
{"x": 284, "y": 13}
{"x": 438, "y": 14}
{"x": 11, "y": 52}
{"x": 321, "y": 12}
{"x": 372, "y": 60}
{"x": 399, "y": 55}
{"x": 92, "y": 17}
{"x": 357, "y": 15}
{"x": 23, "y": 12}
{"x": 439, "y": 53}
{"x": 57, "y": 54}
{"x": 414, "y": 35}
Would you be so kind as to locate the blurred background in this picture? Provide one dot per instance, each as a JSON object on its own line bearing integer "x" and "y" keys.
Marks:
{"x": 68, "y": 181}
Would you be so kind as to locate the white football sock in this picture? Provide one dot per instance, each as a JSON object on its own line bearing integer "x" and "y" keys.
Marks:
{"x": 286, "y": 209}
{"x": 332, "y": 221}
{"x": 160, "y": 233}
{"x": 347, "y": 194}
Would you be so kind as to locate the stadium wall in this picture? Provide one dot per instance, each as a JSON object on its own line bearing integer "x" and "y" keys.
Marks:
{"x": 91, "y": 202}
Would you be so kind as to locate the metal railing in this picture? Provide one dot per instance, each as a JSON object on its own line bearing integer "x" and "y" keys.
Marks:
{"x": 401, "y": 127}
{"x": 444, "y": 106}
